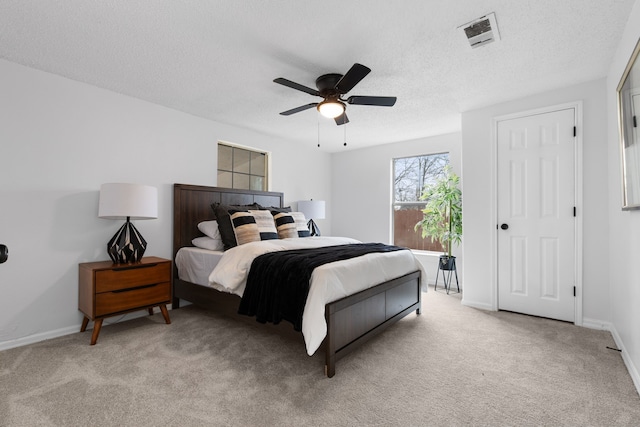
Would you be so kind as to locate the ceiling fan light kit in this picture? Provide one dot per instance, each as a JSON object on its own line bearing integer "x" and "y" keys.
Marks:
{"x": 331, "y": 87}
{"x": 331, "y": 108}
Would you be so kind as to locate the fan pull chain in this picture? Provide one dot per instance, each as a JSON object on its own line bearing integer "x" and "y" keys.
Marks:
{"x": 345, "y": 134}
{"x": 318, "y": 117}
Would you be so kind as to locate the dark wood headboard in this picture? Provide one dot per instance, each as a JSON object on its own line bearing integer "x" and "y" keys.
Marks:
{"x": 192, "y": 204}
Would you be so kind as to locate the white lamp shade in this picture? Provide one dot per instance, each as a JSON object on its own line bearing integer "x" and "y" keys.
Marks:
{"x": 312, "y": 209}
{"x": 137, "y": 201}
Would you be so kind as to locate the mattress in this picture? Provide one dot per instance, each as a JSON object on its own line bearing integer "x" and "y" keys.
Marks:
{"x": 195, "y": 265}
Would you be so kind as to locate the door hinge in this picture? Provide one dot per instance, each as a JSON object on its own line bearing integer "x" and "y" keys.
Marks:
{"x": 635, "y": 123}
{"x": 574, "y": 211}
{"x": 575, "y": 131}
{"x": 574, "y": 291}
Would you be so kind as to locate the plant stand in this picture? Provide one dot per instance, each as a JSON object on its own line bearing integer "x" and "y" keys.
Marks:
{"x": 448, "y": 266}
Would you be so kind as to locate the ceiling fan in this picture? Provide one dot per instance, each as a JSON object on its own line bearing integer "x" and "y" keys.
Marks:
{"x": 332, "y": 87}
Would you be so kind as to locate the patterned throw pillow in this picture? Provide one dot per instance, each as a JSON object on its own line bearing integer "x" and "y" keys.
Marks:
{"x": 253, "y": 226}
{"x": 301, "y": 224}
{"x": 225, "y": 227}
{"x": 285, "y": 224}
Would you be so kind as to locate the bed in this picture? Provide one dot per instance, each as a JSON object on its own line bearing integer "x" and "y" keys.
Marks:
{"x": 350, "y": 321}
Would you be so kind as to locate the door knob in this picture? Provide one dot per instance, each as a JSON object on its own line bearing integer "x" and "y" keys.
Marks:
{"x": 504, "y": 226}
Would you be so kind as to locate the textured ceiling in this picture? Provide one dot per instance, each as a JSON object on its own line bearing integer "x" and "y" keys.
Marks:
{"x": 217, "y": 59}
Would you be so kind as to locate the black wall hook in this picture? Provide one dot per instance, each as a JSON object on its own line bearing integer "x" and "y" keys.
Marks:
{"x": 4, "y": 253}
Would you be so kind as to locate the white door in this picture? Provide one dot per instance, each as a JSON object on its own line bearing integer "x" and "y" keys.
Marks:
{"x": 536, "y": 214}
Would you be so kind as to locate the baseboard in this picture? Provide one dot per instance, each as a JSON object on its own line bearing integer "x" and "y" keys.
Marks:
{"x": 596, "y": 324}
{"x": 633, "y": 371}
{"x": 31, "y": 339}
{"x": 43, "y": 336}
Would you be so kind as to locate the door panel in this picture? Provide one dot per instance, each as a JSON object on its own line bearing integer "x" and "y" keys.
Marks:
{"x": 536, "y": 198}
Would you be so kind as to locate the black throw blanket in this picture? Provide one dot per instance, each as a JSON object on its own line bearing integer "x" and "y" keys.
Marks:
{"x": 278, "y": 282}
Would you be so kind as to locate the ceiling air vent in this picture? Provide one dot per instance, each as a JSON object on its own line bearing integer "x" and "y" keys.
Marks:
{"x": 481, "y": 31}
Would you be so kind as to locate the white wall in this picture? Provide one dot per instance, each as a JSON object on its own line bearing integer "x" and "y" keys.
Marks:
{"x": 361, "y": 190}
{"x": 478, "y": 159}
{"x": 624, "y": 227}
{"x": 59, "y": 140}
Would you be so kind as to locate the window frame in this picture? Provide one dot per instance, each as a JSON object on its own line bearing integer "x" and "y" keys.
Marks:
{"x": 419, "y": 204}
{"x": 251, "y": 150}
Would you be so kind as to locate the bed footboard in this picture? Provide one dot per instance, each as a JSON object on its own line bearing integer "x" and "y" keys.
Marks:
{"x": 353, "y": 320}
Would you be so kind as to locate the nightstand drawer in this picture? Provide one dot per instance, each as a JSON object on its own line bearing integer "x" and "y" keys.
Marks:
{"x": 130, "y": 277}
{"x": 113, "y": 302}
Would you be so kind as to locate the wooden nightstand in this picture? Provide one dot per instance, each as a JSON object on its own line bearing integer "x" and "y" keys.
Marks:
{"x": 107, "y": 289}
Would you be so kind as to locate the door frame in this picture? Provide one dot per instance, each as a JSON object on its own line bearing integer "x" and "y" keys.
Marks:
{"x": 578, "y": 176}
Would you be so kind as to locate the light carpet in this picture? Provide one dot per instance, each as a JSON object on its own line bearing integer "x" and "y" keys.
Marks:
{"x": 450, "y": 366}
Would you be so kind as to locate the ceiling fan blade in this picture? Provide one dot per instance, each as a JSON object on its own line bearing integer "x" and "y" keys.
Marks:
{"x": 342, "y": 119}
{"x": 298, "y": 109}
{"x": 383, "y": 101}
{"x": 297, "y": 86}
{"x": 352, "y": 78}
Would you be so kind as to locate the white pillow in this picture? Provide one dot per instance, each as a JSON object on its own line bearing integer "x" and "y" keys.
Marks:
{"x": 210, "y": 228}
{"x": 206, "y": 242}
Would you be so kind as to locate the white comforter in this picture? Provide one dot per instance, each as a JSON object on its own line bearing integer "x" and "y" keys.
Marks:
{"x": 329, "y": 282}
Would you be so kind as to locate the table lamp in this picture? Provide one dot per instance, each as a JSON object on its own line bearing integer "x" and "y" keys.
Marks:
{"x": 130, "y": 201}
{"x": 312, "y": 209}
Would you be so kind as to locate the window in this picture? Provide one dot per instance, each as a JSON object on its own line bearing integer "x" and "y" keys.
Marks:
{"x": 242, "y": 168}
{"x": 410, "y": 175}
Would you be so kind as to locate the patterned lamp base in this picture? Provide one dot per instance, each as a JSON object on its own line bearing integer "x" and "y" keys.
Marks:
{"x": 314, "y": 230}
{"x": 127, "y": 246}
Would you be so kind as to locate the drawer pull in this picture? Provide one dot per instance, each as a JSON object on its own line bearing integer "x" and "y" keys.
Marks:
{"x": 117, "y": 291}
{"x": 133, "y": 267}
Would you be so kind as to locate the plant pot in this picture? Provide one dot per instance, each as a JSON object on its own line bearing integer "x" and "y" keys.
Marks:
{"x": 447, "y": 262}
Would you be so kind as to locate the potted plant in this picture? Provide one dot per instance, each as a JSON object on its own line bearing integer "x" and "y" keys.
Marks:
{"x": 442, "y": 215}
